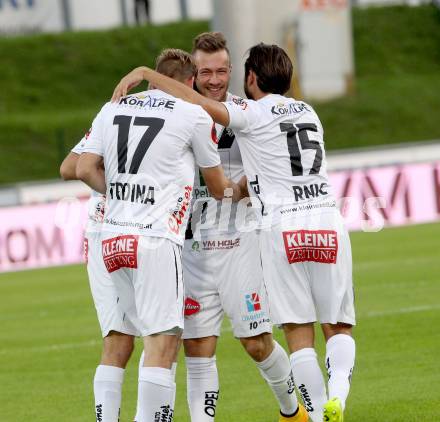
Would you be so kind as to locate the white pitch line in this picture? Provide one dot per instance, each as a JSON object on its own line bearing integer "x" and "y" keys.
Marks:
{"x": 93, "y": 343}
{"x": 54, "y": 347}
{"x": 408, "y": 310}
{"x": 359, "y": 265}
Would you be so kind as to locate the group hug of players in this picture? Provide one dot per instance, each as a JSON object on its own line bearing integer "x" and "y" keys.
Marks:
{"x": 265, "y": 243}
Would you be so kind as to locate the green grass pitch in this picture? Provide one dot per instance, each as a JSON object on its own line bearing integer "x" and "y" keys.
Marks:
{"x": 50, "y": 342}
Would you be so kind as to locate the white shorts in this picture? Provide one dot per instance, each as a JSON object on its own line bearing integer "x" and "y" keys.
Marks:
{"x": 223, "y": 274}
{"x": 147, "y": 274}
{"x": 104, "y": 293}
{"x": 307, "y": 269}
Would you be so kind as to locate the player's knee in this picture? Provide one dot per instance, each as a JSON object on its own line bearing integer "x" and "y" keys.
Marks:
{"x": 200, "y": 348}
{"x": 159, "y": 358}
{"x": 257, "y": 348}
{"x": 331, "y": 330}
{"x": 160, "y": 350}
{"x": 118, "y": 349}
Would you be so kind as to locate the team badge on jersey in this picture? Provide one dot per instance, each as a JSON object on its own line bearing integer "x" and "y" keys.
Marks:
{"x": 120, "y": 252}
{"x": 311, "y": 245}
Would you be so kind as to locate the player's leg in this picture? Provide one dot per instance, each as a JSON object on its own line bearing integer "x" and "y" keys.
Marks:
{"x": 291, "y": 304}
{"x": 117, "y": 349}
{"x": 203, "y": 319}
{"x": 243, "y": 297}
{"x": 156, "y": 384}
{"x": 305, "y": 367}
{"x": 339, "y": 361}
{"x": 202, "y": 377}
{"x": 274, "y": 366}
{"x": 173, "y": 375}
{"x": 158, "y": 290}
{"x": 117, "y": 334}
{"x": 109, "y": 375}
{"x": 334, "y": 301}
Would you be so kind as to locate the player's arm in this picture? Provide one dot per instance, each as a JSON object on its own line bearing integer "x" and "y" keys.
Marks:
{"x": 220, "y": 186}
{"x": 242, "y": 183}
{"x": 90, "y": 166}
{"x": 204, "y": 145}
{"x": 90, "y": 170}
{"x": 215, "y": 109}
{"x": 68, "y": 167}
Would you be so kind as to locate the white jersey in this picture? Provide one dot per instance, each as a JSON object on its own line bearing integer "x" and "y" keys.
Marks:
{"x": 282, "y": 146}
{"x": 223, "y": 220}
{"x": 96, "y": 203}
{"x": 151, "y": 142}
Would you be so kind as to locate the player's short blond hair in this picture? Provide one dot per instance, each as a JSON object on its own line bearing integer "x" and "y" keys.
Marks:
{"x": 210, "y": 42}
{"x": 176, "y": 64}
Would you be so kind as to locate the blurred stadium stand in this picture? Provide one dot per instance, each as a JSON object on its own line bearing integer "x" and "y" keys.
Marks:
{"x": 31, "y": 16}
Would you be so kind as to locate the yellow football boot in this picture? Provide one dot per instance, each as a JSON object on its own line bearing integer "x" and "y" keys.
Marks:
{"x": 301, "y": 416}
{"x": 333, "y": 411}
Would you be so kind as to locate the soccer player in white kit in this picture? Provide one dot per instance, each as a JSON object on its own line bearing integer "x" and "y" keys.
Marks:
{"x": 116, "y": 348}
{"x": 306, "y": 252}
{"x": 222, "y": 268}
{"x": 149, "y": 144}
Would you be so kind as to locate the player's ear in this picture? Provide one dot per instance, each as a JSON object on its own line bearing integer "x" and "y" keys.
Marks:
{"x": 252, "y": 78}
{"x": 190, "y": 82}
{"x": 248, "y": 79}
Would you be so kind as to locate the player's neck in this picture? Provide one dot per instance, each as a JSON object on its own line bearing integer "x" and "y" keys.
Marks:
{"x": 258, "y": 95}
{"x": 224, "y": 98}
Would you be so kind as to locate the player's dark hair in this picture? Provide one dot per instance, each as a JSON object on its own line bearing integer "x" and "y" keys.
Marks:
{"x": 272, "y": 66}
{"x": 176, "y": 64}
{"x": 210, "y": 42}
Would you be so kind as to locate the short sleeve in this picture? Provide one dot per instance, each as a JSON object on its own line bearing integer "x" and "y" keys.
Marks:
{"x": 93, "y": 140}
{"x": 204, "y": 142}
{"x": 242, "y": 114}
{"x": 78, "y": 148}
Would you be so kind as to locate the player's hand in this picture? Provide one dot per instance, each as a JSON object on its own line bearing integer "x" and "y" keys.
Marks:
{"x": 127, "y": 83}
{"x": 242, "y": 183}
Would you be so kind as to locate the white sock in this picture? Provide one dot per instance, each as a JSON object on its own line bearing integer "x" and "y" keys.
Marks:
{"x": 140, "y": 366}
{"x": 156, "y": 392}
{"x": 339, "y": 361}
{"x": 309, "y": 382}
{"x": 202, "y": 388}
{"x": 173, "y": 375}
{"x": 107, "y": 386}
{"x": 276, "y": 370}
{"x": 174, "y": 370}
